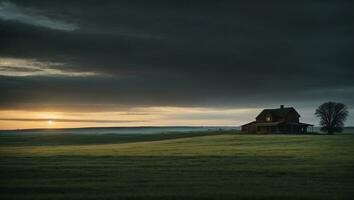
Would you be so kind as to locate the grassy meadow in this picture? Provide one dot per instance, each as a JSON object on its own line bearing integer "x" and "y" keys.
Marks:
{"x": 217, "y": 165}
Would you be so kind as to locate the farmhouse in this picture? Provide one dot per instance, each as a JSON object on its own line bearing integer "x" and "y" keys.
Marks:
{"x": 279, "y": 120}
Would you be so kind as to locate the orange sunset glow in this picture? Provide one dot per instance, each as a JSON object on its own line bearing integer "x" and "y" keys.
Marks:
{"x": 151, "y": 116}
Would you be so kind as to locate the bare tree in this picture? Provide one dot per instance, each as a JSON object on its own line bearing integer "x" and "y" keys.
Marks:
{"x": 332, "y": 116}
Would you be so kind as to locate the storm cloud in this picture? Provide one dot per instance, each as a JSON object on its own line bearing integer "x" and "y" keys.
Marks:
{"x": 178, "y": 53}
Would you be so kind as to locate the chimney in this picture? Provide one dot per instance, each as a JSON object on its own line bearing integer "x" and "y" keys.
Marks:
{"x": 281, "y": 106}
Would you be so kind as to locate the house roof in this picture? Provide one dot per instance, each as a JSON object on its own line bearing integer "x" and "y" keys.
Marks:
{"x": 264, "y": 123}
{"x": 269, "y": 123}
{"x": 279, "y": 113}
{"x": 249, "y": 123}
{"x": 303, "y": 124}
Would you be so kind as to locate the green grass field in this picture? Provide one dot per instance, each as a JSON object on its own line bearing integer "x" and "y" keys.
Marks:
{"x": 177, "y": 166}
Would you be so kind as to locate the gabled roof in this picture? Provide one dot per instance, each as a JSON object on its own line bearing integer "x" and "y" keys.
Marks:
{"x": 249, "y": 123}
{"x": 279, "y": 113}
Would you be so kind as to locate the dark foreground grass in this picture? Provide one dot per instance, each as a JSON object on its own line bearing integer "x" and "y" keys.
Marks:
{"x": 203, "y": 167}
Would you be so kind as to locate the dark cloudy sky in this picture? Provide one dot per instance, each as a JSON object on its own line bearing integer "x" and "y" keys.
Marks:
{"x": 191, "y": 62}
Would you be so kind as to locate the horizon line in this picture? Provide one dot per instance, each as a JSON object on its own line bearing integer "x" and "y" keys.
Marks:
{"x": 107, "y": 127}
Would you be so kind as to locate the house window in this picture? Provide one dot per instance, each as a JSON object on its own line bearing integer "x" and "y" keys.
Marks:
{"x": 268, "y": 119}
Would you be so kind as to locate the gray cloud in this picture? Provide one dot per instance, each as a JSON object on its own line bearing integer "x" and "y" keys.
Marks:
{"x": 30, "y": 67}
{"x": 12, "y": 12}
